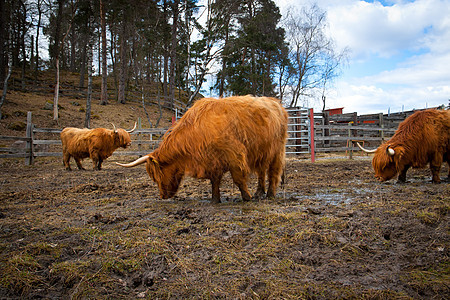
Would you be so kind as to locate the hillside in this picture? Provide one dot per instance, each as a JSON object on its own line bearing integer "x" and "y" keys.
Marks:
{"x": 72, "y": 109}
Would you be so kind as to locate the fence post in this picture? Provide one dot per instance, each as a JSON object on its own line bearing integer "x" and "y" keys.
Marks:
{"x": 139, "y": 134}
{"x": 380, "y": 116}
{"x": 350, "y": 141}
{"x": 29, "y": 145}
{"x": 311, "y": 126}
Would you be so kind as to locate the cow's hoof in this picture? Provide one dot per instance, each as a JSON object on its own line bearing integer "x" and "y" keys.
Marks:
{"x": 215, "y": 201}
{"x": 258, "y": 196}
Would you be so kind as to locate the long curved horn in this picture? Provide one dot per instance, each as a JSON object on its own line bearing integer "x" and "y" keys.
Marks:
{"x": 137, "y": 162}
{"x": 390, "y": 151}
{"x": 365, "y": 150}
{"x": 115, "y": 130}
{"x": 130, "y": 131}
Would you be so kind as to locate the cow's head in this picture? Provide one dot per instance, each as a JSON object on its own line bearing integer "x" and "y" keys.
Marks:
{"x": 122, "y": 137}
{"x": 167, "y": 176}
{"x": 387, "y": 161}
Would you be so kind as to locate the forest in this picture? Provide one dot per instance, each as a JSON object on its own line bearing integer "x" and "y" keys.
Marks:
{"x": 241, "y": 47}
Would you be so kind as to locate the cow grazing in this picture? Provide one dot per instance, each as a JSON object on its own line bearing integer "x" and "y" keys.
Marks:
{"x": 98, "y": 144}
{"x": 422, "y": 138}
{"x": 238, "y": 134}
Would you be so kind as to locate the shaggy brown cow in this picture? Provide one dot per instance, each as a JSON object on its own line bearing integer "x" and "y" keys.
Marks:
{"x": 237, "y": 134}
{"x": 424, "y": 137}
{"x": 98, "y": 144}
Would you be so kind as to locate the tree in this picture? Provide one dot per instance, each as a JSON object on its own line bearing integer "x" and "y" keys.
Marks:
{"x": 255, "y": 50}
{"x": 87, "y": 120}
{"x": 59, "y": 46}
{"x": 3, "y": 39}
{"x": 104, "y": 89}
{"x": 39, "y": 8}
{"x": 5, "y": 83}
{"x": 204, "y": 51}
{"x": 313, "y": 56}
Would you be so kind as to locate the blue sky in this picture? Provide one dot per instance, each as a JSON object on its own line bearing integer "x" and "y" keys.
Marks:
{"x": 399, "y": 53}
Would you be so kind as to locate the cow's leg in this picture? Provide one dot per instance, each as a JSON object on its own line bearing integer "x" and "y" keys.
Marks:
{"x": 215, "y": 182}
{"x": 78, "y": 161}
{"x": 66, "y": 161}
{"x": 275, "y": 172}
{"x": 240, "y": 179}
{"x": 95, "y": 160}
{"x": 447, "y": 158}
{"x": 402, "y": 175}
{"x": 261, "y": 190}
{"x": 100, "y": 161}
{"x": 435, "y": 166}
{"x": 448, "y": 166}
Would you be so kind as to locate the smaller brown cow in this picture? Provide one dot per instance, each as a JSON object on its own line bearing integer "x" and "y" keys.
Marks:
{"x": 98, "y": 144}
{"x": 422, "y": 138}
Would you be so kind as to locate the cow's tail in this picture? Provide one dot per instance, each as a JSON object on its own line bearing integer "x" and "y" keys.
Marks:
{"x": 137, "y": 162}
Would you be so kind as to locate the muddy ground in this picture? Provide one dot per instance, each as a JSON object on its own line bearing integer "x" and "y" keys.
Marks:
{"x": 332, "y": 232}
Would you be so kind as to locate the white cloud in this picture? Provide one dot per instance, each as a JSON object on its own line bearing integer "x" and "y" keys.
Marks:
{"x": 374, "y": 29}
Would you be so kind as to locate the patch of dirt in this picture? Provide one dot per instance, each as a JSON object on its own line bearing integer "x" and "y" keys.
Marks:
{"x": 333, "y": 231}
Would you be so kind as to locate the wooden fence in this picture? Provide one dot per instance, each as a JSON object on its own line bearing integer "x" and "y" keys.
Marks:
{"x": 45, "y": 142}
{"x": 338, "y": 135}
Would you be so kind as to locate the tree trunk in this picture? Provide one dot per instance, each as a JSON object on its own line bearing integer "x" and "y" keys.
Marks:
{"x": 58, "y": 51}
{"x": 36, "y": 66}
{"x": 104, "y": 93}
{"x": 32, "y": 52}
{"x": 83, "y": 62}
{"x": 173, "y": 52}
{"x": 123, "y": 65}
{"x": 224, "y": 66}
{"x": 87, "y": 120}
{"x": 114, "y": 64}
{"x": 72, "y": 49}
{"x": 3, "y": 39}
{"x": 56, "y": 98}
{"x": 5, "y": 84}
{"x": 22, "y": 41}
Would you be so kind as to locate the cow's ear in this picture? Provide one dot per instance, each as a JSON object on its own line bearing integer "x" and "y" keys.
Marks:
{"x": 399, "y": 151}
{"x": 153, "y": 160}
{"x": 398, "y": 158}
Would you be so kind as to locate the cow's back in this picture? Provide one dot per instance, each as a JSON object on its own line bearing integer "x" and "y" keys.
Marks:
{"x": 218, "y": 132}
{"x": 75, "y": 141}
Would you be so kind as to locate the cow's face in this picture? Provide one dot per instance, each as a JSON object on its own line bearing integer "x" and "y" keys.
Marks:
{"x": 386, "y": 162}
{"x": 384, "y": 171}
{"x": 167, "y": 177}
{"x": 123, "y": 137}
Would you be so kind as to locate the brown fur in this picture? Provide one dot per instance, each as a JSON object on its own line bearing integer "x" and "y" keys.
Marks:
{"x": 237, "y": 134}
{"x": 422, "y": 138}
{"x": 98, "y": 144}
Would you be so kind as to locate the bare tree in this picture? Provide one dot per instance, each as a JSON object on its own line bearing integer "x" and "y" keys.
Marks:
{"x": 90, "y": 52}
{"x": 313, "y": 56}
{"x": 211, "y": 51}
